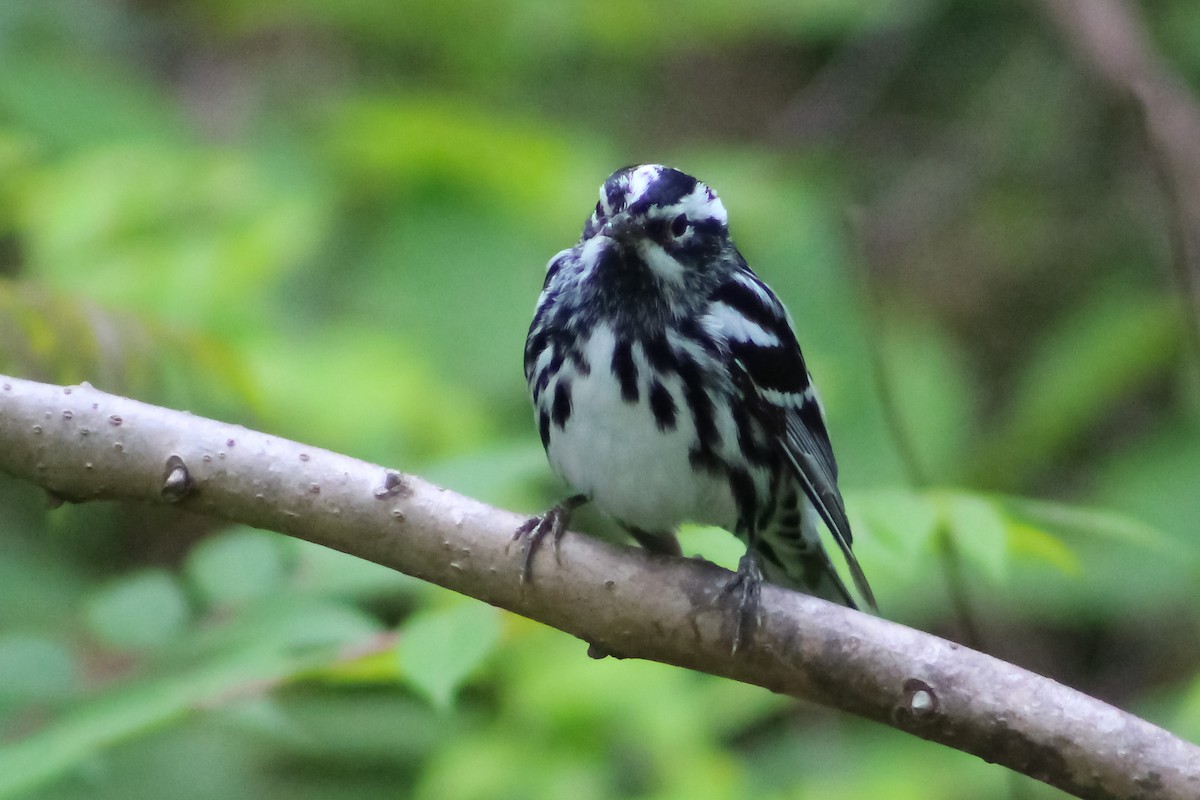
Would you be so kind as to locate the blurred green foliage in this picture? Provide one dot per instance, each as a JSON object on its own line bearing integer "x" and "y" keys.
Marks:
{"x": 329, "y": 220}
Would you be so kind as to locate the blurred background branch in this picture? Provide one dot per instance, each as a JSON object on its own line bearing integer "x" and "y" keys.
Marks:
{"x": 1112, "y": 41}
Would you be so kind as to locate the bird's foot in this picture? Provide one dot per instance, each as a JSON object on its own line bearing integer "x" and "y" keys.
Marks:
{"x": 744, "y": 588}
{"x": 535, "y": 529}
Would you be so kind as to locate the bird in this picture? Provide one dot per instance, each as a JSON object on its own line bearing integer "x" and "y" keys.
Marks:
{"x": 668, "y": 386}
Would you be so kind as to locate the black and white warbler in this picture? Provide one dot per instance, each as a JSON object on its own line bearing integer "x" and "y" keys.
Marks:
{"x": 669, "y": 387}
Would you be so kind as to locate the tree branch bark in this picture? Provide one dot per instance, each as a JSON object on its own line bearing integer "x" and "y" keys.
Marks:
{"x": 83, "y": 444}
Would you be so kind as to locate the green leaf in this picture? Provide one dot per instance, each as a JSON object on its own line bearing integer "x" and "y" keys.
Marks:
{"x": 1086, "y": 521}
{"x": 1187, "y": 717}
{"x": 1041, "y": 546}
{"x": 40, "y": 590}
{"x": 897, "y": 526}
{"x": 69, "y": 99}
{"x": 1082, "y": 371}
{"x": 143, "y": 610}
{"x": 419, "y": 411}
{"x": 275, "y": 643}
{"x": 933, "y": 392}
{"x": 1124, "y": 566}
{"x": 1154, "y": 478}
{"x": 439, "y": 649}
{"x": 35, "y": 668}
{"x": 237, "y": 566}
{"x": 65, "y": 338}
{"x": 447, "y": 149}
{"x": 181, "y": 234}
{"x": 979, "y": 530}
{"x": 329, "y": 573}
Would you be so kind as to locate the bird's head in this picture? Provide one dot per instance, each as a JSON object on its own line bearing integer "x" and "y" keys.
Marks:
{"x": 655, "y": 227}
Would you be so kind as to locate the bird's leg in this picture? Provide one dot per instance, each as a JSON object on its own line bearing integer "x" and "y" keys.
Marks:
{"x": 661, "y": 542}
{"x": 745, "y": 587}
{"x": 553, "y": 524}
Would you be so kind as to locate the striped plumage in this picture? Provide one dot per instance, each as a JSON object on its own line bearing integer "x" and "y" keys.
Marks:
{"x": 669, "y": 387}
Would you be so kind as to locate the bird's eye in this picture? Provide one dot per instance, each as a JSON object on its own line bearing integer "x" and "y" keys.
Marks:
{"x": 679, "y": 226}
{"x": 599, "y": 210}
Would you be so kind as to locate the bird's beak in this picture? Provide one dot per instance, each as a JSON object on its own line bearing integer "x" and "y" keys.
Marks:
{"x": 621, "y": 229}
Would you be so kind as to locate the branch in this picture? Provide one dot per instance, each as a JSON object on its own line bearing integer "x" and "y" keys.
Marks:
{"x": 83, "y": 444}
{"x": 1111, "y": 41}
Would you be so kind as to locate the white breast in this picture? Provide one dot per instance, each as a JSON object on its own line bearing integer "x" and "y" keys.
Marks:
{"x": 614, "y": 451}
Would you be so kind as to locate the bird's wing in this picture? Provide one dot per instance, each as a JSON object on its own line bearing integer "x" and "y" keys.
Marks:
{"x": 763, "y": 346}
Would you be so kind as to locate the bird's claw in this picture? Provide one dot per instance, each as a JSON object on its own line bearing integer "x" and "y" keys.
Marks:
{"x": 745, "y": 586}
{"x": 535, "y": 529}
